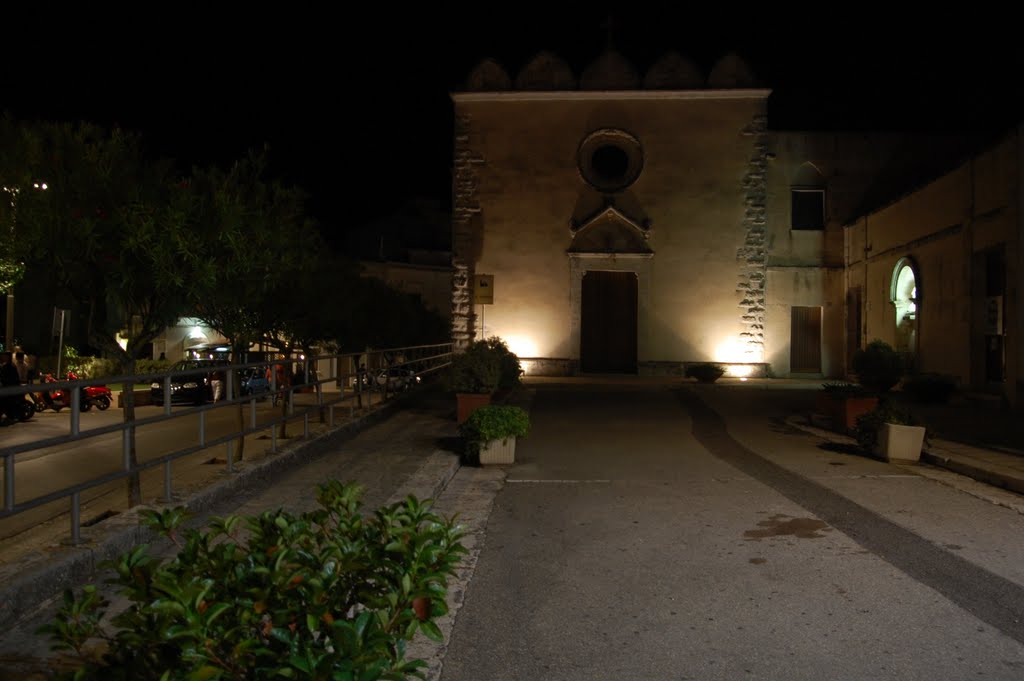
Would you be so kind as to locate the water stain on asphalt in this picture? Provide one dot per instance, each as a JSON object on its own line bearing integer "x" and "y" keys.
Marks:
{"x": 780, "y": 525}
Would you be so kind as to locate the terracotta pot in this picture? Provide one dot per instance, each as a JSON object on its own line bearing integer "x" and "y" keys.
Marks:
{"x": 844, "y": 410}
{"x": 467, "y": 402}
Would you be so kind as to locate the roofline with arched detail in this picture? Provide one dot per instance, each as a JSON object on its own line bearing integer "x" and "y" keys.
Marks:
{"x": 608, "y": 95}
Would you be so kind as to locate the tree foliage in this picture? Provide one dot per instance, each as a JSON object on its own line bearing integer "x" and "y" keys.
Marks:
{"x": 115, "y": 230}
{"x": 328, "y": 594}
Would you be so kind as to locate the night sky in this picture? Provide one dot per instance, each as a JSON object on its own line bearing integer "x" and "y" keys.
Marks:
{"x": 355, "y": 106}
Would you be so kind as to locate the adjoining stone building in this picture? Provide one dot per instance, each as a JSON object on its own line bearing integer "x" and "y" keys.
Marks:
{"x": 636, "y": 223}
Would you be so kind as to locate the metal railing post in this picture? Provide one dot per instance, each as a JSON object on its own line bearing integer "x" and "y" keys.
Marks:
{"x": 76, "y": 517}
{"x": 9, "y": 482}
{"x": 167, "y": 481}
{"x": 76, "y": 410}
{"x": 126, "y": 448}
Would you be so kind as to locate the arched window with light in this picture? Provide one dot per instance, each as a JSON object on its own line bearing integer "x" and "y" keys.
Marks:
{"x": 906, "y": 299}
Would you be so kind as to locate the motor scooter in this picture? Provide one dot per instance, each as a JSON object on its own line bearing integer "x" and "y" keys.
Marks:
{"x": 98, "y": 396}
{"x": 55, "y": 399}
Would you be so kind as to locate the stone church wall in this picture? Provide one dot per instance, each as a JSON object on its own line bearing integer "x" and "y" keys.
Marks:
{"x": 699, "y": 202}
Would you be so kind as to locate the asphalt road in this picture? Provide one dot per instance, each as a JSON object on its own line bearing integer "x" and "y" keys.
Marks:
{"x": 641, "y": 536}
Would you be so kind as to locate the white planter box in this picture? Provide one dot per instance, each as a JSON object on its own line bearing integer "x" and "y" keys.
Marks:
{"x": 900, "y": 443}
{"x": 498, "y": 452}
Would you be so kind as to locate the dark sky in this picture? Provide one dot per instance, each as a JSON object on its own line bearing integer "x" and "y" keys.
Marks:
{"x": 354, "y": 104}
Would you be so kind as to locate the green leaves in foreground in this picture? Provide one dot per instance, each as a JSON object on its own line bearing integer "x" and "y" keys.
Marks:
{"x": 328, "y": 594}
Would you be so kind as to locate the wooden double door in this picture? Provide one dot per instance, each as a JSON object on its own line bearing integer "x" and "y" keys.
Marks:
{"x": 608, "y": 327}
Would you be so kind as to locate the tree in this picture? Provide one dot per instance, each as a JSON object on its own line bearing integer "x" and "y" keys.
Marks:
{"x": 116, "y": 230}
{"x": 262, "y": 241}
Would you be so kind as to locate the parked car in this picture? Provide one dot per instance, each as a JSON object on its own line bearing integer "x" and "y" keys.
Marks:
{"x": 191, "y": 388}
{"x": 254, "y": 381}
{"x": 396, "y": 379}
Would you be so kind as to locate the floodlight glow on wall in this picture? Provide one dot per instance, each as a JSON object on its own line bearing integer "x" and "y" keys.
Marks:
{"x": 521, "y": 346}
{"x": 735, "y": 351}
{"x": 738, "y": 370}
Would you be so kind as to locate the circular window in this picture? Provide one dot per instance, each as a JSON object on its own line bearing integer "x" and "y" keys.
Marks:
{"x": 610, "y": 160}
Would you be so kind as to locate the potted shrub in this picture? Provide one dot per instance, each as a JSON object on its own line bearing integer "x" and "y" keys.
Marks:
{"x": 890, "y": 433}
{"x": 705, "y": 372}
{"x": 843, "y": 403}
{"x": 878, "y": 366}
{"x": 510, "y": 370}
{"x": 473, "y": 376}
{"x": 490, "y": 433}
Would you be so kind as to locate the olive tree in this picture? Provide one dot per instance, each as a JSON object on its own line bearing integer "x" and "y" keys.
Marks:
{"x": 115, "y": 230}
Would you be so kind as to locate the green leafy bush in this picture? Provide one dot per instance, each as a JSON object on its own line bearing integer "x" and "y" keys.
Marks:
{"x": 476, "y": 370}
{"x": 930, "y": 388}
{"x": 706, "y": 372}
{"x": 493, "y": 422}
{"x": 328, "y": 594}
{"x": 878, "y": 366}
{"x": 510, "y": 369}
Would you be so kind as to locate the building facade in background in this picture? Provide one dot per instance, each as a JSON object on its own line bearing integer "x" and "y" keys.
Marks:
{"x": 635, "y": 223}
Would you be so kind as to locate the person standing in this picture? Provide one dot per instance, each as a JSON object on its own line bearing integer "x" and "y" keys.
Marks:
{"x": 22, "y": 366}
{"x": 217, "y": 382}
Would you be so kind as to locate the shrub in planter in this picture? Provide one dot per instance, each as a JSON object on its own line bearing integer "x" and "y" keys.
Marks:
{"x": 843, "y": 403}
{"x": 866, "y": 430}
{"x": 705, "y": 373}
{"x": 930, "y": 388}
{"x": 326, "y": 594}
{"x": 476, "y": 370}
{"x": 493, "y": 422}
{"x": 878, "y": 366}
{"x": 510, "y": 369}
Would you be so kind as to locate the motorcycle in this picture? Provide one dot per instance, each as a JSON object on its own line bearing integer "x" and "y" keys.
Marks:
{"x": 57, "y": 399}
{"x": 50, "y": 399}
{"x": 98, "y": 396}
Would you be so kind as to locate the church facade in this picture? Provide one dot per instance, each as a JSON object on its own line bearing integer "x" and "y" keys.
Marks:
{"x": 628, "y": 223}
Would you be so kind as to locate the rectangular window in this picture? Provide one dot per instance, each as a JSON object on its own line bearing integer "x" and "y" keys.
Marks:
{"x": 808, "y": 208}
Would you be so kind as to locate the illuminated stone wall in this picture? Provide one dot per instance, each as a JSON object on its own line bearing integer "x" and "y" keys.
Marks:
{"x": 697, "y": 203}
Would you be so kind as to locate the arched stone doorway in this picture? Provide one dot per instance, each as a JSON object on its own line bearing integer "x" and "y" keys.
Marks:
{"x": 905, "y": 295}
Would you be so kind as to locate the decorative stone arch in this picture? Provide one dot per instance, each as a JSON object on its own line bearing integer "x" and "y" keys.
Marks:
{"x": 905, "y": 296}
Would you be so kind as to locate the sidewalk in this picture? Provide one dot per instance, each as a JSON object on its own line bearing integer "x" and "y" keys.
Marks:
{"x": 982, "y": 443}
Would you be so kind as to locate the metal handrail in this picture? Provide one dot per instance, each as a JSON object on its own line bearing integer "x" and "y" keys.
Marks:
{"x": 435, "y": 357}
